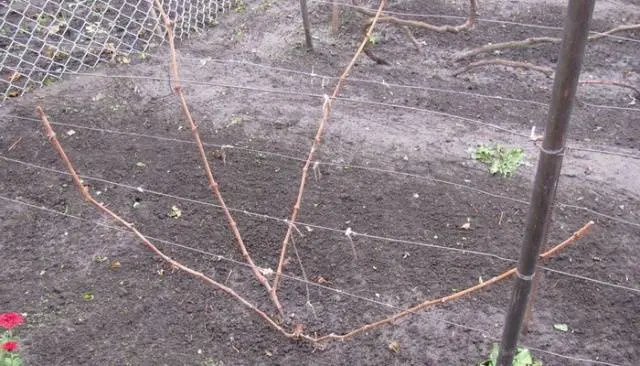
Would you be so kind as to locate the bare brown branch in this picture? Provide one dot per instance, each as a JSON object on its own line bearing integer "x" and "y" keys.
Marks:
{"x": 534, "y": 41}
{"x": 525, "y": 43}
{"x": 203, "y": 157}
{"x": 502, "y": 62}
{"x": 175, "y": 264}
{"x": 620, "y": 28}
{"x": 543, "y": 69}
{"x": 326, "y": 112}
{"x": 406, "y": 25}
{"x": 409, "y": 34}
{"x": 473, "y": 15}
{"x": 578, "y": 234}
{"x": 298, "y": 331}
{"x": 613, "y": 83}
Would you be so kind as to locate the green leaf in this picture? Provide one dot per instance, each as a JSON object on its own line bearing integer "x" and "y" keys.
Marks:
{"x": 483, "y": 153}
{"x": 500, "y": 159}
{"x": 523, "y": 357}
{"x": 493, "y": 355}
{"x": 561, "y": 327}
{"x": 87, "y": 296}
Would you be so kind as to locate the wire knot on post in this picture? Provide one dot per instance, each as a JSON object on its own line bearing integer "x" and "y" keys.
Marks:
{"x": 558, "y": 152}
{"x": 524, "y": 277}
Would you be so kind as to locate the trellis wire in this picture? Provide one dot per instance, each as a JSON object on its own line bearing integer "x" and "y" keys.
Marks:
{"x": 353, "y": 166}
{"x": 357, "y": 101}
{"x": 479, "y": 19}
{"x": 298, "y": 279}
{"x": 321, "y": 227}
{"x": 39, "y": 39}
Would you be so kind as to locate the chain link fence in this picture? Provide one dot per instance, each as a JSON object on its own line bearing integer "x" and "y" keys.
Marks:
{"x": 40, "y": 40}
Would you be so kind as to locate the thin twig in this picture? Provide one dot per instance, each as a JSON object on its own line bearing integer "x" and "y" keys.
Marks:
{"x": 409, "y": 34}
{"x": 14, "y": 144}
{"x": 614, "y": 83}
{"x": 546, "y": 70}
{"x": 533, "y": 41}
{"x": 502, "y": 62}
{"x": 405, "y": 25}
{"x": 469, "y": 22}
{"x": 203, "y": 157}
{"x": 304, "y": 275}
{"x": 578, "y": 234}
{"x": 84, "y": 191}
{"x": 326, "y": 111}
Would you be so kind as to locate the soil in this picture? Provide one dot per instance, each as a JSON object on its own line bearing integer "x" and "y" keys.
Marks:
{"x": 94, "y": 296}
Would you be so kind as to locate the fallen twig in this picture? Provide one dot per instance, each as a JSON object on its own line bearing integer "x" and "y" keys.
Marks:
{"x": 469, "y": 22}
{"x": 455, "y": 296}
{"x": 409, "y": 34}
{"x": 405, "y": 25}
{"x": 84, "y": 191}
{"x": 544, "y": 69}
{"x": 207, "y": 167}
{"x": 502, "y": 62}
{"x": 533, "y": 41}
{"x": 613, "y": 83}
{"x": 326, "y": 112}
{"x": 14, "y": 144}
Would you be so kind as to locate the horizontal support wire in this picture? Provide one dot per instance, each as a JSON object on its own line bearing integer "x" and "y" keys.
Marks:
{"x": 320, "y": 163}
{"x": 328, "y": 77}
{"x": 402, "y": 86}
{"x": 335, "y": 230}
{"x": 479, "y": 19}
{"x": 356, "y": 101}
{"x": 298, "y": 279}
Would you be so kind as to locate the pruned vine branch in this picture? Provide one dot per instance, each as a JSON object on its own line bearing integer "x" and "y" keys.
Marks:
{"x": 534, "y": 41}
{"x": 84, "y": 191}
{"x": 297, "y": 333}
{"x": 326, "y": 112}
{"x": 175, "y": 76}
{"x": 613, "y": 83}
{"x": 578, "y": 234}
{"x": 503, "y": 62}
{"x": 548, "y": 71}
{"x": 406, "y": 25}
{"x": 469, "y": 22}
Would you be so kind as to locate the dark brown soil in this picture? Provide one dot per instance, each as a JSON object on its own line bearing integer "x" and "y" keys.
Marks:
{"x": 143, "y": 313}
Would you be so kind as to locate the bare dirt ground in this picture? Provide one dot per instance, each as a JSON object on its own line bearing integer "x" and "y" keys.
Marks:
{"x": 382, "y": 174}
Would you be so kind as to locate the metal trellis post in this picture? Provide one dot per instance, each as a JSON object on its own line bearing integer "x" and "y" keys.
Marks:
{"x": 576, "y": 30}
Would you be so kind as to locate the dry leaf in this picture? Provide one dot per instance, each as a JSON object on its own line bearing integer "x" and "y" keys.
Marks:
{"x": 322, "y": 280}
{"x": 15, "y": 77}
{"x": 115, "y": 265}
{"x": 394, "y": 347}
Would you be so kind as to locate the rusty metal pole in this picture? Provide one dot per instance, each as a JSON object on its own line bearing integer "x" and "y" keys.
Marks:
{"x": 576, "y": 31}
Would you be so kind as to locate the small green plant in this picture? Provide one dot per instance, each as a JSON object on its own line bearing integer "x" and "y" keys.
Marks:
{"x": 373, "y": 39}
{"x": 9, "y": 344}
{"x": 240, "y": 7}
{"x": 501, "y": 160}
{"x": 523, "y": 357}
